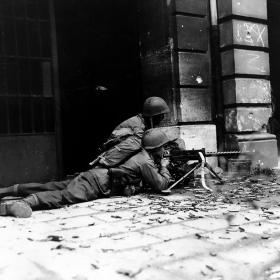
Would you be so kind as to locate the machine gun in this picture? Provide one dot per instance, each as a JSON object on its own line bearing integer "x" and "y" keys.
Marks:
{"x": 199, "y": 156}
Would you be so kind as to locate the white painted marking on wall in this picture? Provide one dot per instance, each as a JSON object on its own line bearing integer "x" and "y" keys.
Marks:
{"x": 199, "y": 80}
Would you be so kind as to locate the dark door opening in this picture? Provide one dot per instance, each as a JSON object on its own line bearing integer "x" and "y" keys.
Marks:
{"x": 98, "y": 61}
{"x": 274, "y": 50}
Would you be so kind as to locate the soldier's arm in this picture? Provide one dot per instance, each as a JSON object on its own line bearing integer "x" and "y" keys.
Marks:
{"x": 158, "y": 179}
{"x": 132, "y": 126}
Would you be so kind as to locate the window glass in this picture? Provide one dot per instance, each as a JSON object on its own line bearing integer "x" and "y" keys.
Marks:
{"x": 44, "y": 9}
{"x": 36, "y": 77}
{"x": 12, "y": 76}
{"x": 26, "y": 115}
{"x": 26, "y": 92}
{"x": 46, "y": 79}
{"x": 3, "y": 76}
{"x": 45, "y": 39}
{"x": 32, "y": 8}
{"x": 49, "y": 109}
{"x": 13, "y": 104}
{"x": 20, "y": 8}
{"x": 21, "y": 34}
{"x": 24, "y": 80}
{"x": 6, "y": 8}
{"x": 3, "y": 115}
{"x": 38, "y": 114}
{"x": 8, "y": 36}
{"x": 34, "y": 38}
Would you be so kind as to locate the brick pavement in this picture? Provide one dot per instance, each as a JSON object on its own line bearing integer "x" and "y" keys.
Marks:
{"x": 145, "y": 237}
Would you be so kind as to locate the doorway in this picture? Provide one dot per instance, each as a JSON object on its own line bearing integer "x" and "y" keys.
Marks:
{"x": 274, "y": 47}
{"x": 98, "y": 60}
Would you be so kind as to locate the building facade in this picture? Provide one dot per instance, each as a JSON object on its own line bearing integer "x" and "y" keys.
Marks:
{"x": 214, "y": 61}
{"x": 210, "y": 60}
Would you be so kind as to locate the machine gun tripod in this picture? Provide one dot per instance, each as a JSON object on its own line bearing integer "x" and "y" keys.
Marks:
{"x": 200, "y": 156}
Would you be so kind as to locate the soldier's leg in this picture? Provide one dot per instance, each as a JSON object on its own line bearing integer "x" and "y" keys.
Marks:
{"x": 78, "y": 190}
{"x": 30, "y": 188}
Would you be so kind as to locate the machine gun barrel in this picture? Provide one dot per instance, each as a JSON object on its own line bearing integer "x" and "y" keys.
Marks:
{"x": 226, "y": 153}
{"x": 193, "y": 154}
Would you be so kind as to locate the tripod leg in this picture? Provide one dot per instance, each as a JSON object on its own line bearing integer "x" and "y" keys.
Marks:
{"x": 181, "y": 179}
{"x": 209, "y": 167}
{"x": 203, "y": 183}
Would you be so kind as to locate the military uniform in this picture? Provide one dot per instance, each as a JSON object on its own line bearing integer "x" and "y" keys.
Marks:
{"x": 126, "y": 138}
{"x": 123, "y": 149}
{"x": 97, "y": 183}
{"x": 125, "y": 141}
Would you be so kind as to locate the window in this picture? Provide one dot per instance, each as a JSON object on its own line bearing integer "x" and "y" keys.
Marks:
{"x": 26, "y": 91}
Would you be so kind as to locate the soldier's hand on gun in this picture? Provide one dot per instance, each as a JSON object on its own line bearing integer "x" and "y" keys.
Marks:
{"x": 164, "y": 162}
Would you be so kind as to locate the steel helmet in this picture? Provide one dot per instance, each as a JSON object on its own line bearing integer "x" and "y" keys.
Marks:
{"x": 154, "y": 106}
{"x": 154, "y": 138}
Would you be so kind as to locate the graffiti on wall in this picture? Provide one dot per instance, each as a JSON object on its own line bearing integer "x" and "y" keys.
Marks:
{"x": 249, "y": 33}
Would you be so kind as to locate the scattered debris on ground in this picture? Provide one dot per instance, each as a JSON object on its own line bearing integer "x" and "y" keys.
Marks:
{"x": 191, "y": 233}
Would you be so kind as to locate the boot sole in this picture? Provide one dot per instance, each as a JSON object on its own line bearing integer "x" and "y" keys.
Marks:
{"x": 16, "y": 209}
{"x": 20, "y": 210}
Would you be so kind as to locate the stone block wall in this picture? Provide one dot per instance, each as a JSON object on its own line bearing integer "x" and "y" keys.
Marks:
{"x": 176, "y": 65}
{"x": 245, "y": 74}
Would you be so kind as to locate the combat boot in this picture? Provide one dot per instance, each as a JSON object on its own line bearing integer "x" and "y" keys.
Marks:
{"x": 19, "y": 209}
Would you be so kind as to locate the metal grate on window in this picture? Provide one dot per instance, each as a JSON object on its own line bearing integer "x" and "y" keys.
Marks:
{"x": 26, "y": 91}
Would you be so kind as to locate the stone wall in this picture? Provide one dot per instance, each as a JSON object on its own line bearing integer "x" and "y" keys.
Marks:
{"x": 245, "y": 74}
{"x": 176, "y": 65}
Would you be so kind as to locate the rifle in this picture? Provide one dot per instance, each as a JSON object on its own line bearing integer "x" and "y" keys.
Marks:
{"x": 200, "y": 156}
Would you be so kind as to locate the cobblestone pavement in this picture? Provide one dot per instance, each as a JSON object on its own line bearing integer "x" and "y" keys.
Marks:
{"x": 189, "y": 234}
